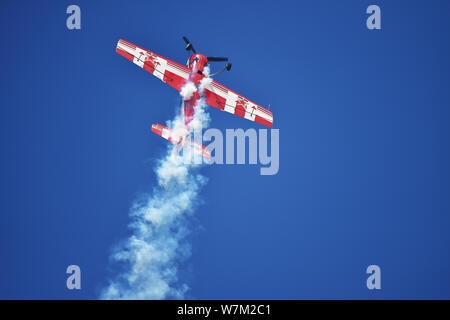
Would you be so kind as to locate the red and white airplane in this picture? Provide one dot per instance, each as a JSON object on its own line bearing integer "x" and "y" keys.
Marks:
{"x": 177, "y": 76}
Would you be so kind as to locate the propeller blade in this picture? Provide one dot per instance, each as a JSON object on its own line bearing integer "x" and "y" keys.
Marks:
{"x": 217, "y": 59}
{"x": 189, "y": 45}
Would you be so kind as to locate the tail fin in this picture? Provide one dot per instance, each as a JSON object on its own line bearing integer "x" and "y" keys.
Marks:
{"x": 166, "y": 133}
{"x": 162, "y": 131}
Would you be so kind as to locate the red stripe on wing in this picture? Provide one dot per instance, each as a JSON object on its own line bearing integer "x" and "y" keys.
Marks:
{"x": 174, "y": 80}
{"x": 263, "y": 121}
{"x": 125, "y": 54}
{"x": 214, "y": 100}
{"x": 238, "y": 109}
{"x": 173, "y": 62}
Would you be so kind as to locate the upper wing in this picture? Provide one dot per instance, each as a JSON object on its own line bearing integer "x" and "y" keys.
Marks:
{"x": 223, "y": 98}
{"x": 176, "y": 75}
{"x": 166, "y": 70}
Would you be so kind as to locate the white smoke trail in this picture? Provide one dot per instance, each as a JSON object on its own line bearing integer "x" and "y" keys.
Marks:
{"x": 151, "y": 256}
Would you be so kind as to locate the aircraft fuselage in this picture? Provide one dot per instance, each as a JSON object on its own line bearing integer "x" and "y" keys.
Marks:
{"x": 197, "y": 63}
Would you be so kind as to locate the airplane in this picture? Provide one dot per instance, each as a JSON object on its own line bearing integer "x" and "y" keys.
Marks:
{"x": 177, "y": 76}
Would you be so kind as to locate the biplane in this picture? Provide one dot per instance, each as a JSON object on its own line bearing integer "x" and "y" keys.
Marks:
{"x": 213, "y": 93}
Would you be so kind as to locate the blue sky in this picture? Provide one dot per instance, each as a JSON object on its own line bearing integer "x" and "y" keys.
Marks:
{"x": 363, "y": 118}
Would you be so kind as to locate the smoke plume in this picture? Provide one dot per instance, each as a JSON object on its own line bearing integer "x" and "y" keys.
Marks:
{"x": 151, "y": 257}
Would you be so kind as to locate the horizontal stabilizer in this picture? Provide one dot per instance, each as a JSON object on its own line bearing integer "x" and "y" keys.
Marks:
{"x": 182, "y": 141}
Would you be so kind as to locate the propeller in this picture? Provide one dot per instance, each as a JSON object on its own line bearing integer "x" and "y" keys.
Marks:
{"x": 217, "y": 59}
{"x": 189, "y": 45}
{"x": 227, "y": 67}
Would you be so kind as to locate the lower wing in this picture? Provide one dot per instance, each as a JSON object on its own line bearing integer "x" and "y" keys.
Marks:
{"x": 224, "y": 99}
